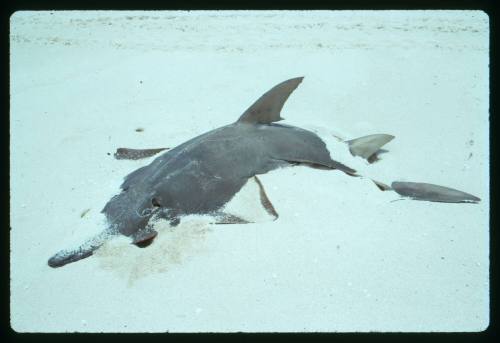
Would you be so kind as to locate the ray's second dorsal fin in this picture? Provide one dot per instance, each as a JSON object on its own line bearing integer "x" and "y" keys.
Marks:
{"x": 366, "y": 146}
{"x": 268, "y": 107}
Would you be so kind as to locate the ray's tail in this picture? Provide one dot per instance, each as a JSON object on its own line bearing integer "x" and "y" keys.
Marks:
{"x": 431, "y": 192}
{"x": 368, "y": 147}
{"x": 64, "y": 257}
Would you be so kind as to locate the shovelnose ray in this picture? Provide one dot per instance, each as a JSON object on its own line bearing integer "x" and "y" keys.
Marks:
{"x": 203, "y": 174}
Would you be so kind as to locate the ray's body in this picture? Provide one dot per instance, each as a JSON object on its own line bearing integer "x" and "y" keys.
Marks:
{"x": 201, "y": 175}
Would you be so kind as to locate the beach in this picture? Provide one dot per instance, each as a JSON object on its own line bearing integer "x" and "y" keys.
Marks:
{"x": 343, "y": 256}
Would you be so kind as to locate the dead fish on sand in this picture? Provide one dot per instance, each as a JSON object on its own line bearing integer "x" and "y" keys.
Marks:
{"x": 203, "y": 174}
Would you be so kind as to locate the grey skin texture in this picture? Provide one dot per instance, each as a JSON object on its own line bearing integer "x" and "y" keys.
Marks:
{"x": 201, "y": 175}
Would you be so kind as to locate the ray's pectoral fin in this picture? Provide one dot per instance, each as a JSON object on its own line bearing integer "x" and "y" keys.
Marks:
{"x": 136, "y": 154}
{"x": 431, "y": 192}
{"x": 250, "y": 205}
{"x": 368, "y": 147}
{"x": 268, "y": 107}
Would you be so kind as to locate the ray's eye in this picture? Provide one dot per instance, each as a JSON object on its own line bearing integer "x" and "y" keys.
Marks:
{"x": 155, "y": 202}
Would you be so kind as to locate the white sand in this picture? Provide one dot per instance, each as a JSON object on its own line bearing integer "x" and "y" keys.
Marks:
{"x": 343, "y": 256}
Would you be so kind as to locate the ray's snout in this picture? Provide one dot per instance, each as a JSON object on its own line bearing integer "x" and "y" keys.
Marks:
{"x": 64, "y": 257}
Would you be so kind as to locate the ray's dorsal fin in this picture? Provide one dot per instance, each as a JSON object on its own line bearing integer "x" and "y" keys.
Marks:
{"x": 268, "y": 107}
